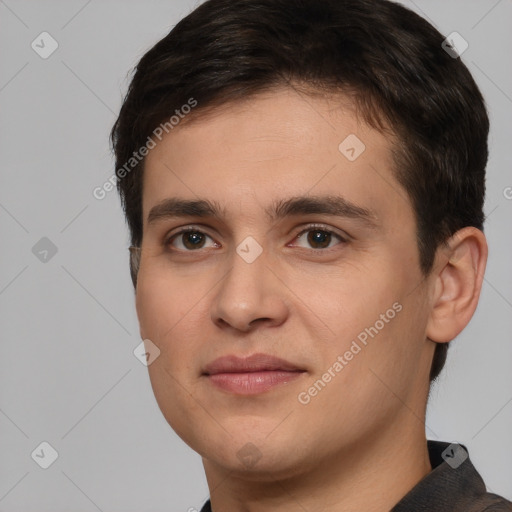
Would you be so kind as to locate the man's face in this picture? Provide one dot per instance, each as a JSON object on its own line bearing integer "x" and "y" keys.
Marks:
{"x": 337, "y": 294}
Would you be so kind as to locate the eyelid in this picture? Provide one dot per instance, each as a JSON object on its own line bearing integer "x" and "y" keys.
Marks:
{"x": 344, "y": 237}
{"x": 185, "y": 229}
{"x": 323, "y": 227}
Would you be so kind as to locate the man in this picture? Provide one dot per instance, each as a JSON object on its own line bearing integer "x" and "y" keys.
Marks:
{"x": 304, "y": 182}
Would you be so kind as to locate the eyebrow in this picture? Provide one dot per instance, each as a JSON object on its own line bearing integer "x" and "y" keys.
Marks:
{"x": 333, "y": 205}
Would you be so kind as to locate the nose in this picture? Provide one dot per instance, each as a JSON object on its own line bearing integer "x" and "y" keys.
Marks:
{"x": 249, "y": 295}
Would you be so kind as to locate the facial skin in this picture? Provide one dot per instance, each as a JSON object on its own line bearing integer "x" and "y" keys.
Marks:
{"x": 359, "y": 442}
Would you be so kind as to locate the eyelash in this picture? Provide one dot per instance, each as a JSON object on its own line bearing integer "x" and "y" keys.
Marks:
{"x": 312, "y": 227}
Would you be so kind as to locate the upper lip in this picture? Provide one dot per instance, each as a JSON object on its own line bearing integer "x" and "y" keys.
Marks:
{"x": 252, "y": 363}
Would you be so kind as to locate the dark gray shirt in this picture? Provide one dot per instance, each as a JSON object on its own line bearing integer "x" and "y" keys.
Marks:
{"x": 453, "y": 485}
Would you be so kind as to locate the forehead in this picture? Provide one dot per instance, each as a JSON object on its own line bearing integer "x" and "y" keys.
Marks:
{"x": 270, "y": 147}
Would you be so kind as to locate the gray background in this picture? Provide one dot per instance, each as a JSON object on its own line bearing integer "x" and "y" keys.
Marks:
{"x": 68, "y": 375}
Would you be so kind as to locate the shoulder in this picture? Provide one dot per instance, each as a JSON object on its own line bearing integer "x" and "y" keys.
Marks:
{"x": 491, "y": 503}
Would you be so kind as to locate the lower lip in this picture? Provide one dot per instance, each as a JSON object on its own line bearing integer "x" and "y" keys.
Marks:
{"x": 252, "y": 383}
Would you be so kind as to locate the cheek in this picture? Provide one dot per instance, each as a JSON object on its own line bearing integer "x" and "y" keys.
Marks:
{"x": 154, "y": 304}
{"x": 166, "y": 317}
{"x": 349, "y": 303}
{"x": 369, "y": 385}
{"x": 172, "y": 315}
{"x": 374, "y": 332}
{"x": 162, "y": 299}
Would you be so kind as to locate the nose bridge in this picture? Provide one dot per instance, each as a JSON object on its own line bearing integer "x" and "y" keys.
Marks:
{"x": 247, "y": 292}
{"x": 246, "y": 279}
{"x": 250, "y": 260}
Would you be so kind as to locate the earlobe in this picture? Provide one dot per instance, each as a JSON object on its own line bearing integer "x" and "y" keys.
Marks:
{"x": 459, "y": 273}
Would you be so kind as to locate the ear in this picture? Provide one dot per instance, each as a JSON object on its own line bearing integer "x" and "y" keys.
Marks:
{"x": 459, "y": 273}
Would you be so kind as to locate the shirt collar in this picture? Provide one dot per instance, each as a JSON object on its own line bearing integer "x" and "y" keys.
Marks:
{"x": 453, "y": 485}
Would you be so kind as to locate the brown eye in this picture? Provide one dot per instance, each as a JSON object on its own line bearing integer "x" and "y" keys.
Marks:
{"x": 319, "y": 238}
{"x": 188, "y": 240}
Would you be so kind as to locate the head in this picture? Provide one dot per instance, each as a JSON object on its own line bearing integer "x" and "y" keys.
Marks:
{"x": 249, "y": 104}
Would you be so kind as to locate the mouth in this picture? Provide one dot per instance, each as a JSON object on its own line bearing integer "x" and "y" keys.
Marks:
{"x": 250, "y": 375}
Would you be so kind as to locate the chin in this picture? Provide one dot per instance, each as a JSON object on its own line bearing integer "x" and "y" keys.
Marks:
{"x": 252, "y": 464}
{"x": 257, "y": 458}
